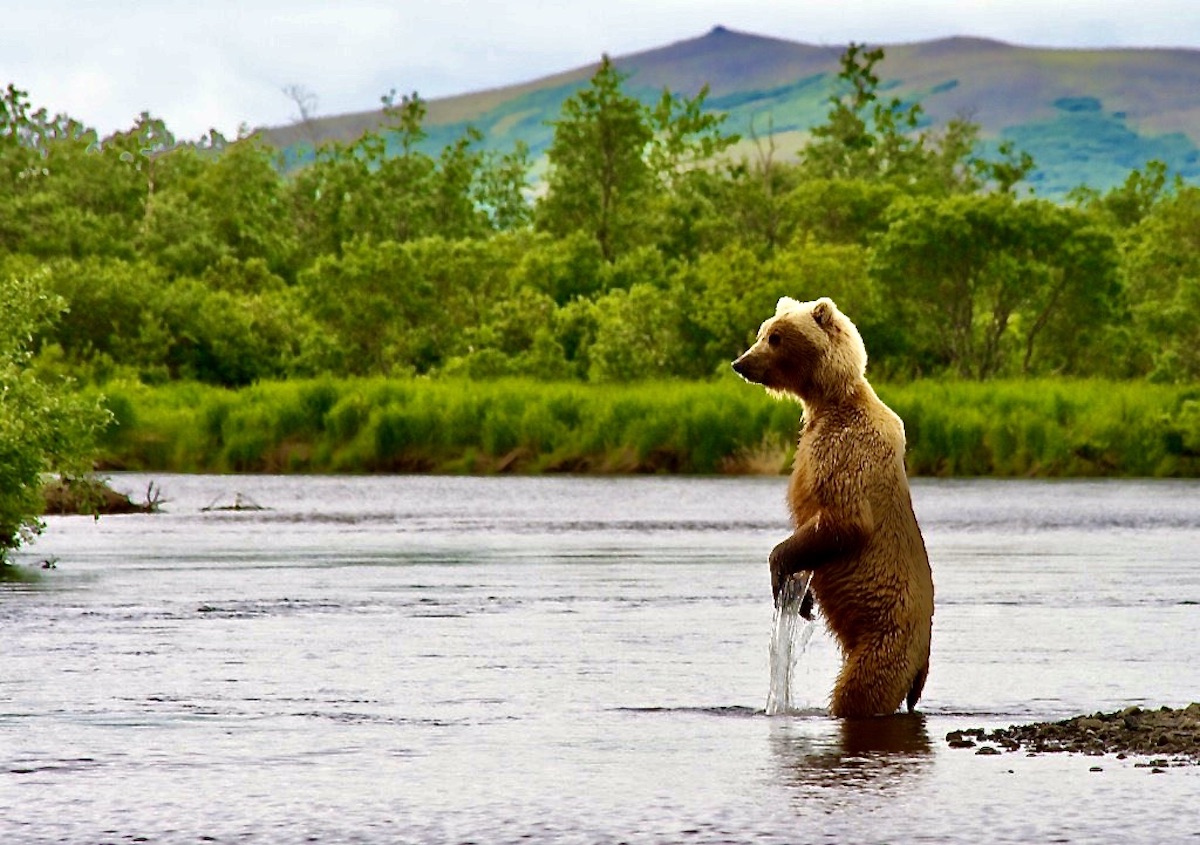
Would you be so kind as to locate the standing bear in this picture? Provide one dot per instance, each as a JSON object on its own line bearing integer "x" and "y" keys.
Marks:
{"x": 855, "y": 529}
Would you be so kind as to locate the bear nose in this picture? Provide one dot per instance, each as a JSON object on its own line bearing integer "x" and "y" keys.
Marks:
{"x": 738, "y": 367}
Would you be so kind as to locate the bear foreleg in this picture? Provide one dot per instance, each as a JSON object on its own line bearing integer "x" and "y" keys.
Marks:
{"x": 816, "y": 543}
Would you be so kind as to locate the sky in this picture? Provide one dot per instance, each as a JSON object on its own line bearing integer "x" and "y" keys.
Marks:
{"x": 224, "y": 64}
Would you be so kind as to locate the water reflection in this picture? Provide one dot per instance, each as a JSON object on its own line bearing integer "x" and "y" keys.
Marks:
{"x": 880, "y": 754}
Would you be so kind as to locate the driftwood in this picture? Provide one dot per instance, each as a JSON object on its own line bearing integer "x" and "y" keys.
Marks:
{"x": 241, "y": 502}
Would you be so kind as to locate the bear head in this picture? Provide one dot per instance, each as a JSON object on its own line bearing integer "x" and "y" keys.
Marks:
{"x": 810, "y": 350}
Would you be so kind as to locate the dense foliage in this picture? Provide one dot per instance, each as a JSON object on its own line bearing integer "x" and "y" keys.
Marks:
{"x": 643, "y": 250}
{"x": 43, "y": 427}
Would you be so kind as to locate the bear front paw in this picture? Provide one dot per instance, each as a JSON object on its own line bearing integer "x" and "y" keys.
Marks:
{"x": 783, "y": 564}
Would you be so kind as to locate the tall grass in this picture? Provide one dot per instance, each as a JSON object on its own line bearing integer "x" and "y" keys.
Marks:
{"x": 1040, "y": 428}
{"x": 1049, "y": 428}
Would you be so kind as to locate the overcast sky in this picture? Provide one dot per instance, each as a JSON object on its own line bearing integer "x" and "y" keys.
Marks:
{"x": 204, "y": 64}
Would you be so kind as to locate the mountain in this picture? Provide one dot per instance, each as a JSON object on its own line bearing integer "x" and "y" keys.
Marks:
{"x": 1087, "y": 116}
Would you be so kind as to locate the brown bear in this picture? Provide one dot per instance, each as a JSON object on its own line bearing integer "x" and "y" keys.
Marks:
{"x": 855, "y": 529}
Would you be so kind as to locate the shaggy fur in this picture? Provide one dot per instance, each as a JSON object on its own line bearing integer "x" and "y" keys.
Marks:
{"x": 851, "y": 508}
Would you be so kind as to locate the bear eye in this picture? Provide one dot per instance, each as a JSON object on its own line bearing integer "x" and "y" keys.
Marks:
{"x": 774, "y": 339}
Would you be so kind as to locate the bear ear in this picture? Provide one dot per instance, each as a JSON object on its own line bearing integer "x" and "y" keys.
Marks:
{"x": 824, "y": 312}
{"x": 785, "y": 303}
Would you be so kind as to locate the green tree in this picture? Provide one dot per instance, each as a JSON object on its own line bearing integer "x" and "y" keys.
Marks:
{"x": 748, "y": 202}
{"x": 114, "y": 319}
{"x": 842, "y": 211}
{"x": 599, "y": 181}
{"x": 1162, "y": 269}
{"x": 977, "y": 279}
{"x": 564, "y": 268}
{"x": 1130, "y": 202}
{"x": 624, "y": 173}
{"x": 226, "y": 338}
{"x": 385, "y": 187}
{"x": 730, "y": 293}
{"x": 65, "y": 192}
{"x": 637, "y": 335}
{"x": 326, "y": 205}
{"x": 234, "y": 326}
{"x": 467, "y": 278}
{"x": 370, "y": 299}
{"x": 456, "y": 212}
{"x": 515, "y": 337}
{"x": 405, "y": 196}
{"x": 43, "y": 427}
{"x": 501, "y": 189}
{"x": 211, "y": 206}
{"x": 865, "y": 137}
{"x": 685, "y": 138}
{"x": 862, "y": 137}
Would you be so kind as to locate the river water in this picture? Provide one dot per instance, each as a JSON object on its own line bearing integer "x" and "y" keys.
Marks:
{"x": 449, "y": 659}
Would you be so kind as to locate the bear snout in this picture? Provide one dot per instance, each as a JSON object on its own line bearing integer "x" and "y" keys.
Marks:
{"x": 750, "y": 367}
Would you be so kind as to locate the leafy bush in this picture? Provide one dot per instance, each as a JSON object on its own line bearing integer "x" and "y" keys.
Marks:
{"x": 44, "y": 427}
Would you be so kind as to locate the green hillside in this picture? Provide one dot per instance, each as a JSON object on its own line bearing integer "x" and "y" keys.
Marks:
{"x": 1087, "y": 116}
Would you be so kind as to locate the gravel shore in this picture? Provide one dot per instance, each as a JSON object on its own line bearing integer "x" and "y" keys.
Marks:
{"x": 1164, "y": 736}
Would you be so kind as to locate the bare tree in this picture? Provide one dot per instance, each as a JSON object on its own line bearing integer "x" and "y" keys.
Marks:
{"x": 306, "y": 106}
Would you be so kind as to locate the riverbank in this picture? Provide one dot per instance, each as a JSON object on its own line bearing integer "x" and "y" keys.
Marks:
{"x": 1163, "y": 736}
{"x": 1036, "y": 428}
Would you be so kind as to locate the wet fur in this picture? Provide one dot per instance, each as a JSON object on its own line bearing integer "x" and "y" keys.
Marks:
{"x": 851, "y": 508}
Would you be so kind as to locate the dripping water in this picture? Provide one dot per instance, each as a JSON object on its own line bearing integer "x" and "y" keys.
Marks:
{"x": 789, "y": 639}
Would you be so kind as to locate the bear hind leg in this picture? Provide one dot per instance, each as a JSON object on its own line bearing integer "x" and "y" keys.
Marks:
{"x": 918, "y": 685}
{"x": 868, "y": 685}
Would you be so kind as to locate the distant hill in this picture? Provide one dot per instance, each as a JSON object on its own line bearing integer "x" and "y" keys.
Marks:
{"x": 1087, "y": 116}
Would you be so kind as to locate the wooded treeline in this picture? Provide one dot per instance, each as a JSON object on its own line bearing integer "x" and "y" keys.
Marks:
{"x": 643, "y": 251}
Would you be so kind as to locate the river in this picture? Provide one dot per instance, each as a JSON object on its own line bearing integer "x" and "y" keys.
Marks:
{"x": 561, "y": 659}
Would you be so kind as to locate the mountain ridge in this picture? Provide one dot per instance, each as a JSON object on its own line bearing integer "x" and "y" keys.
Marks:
{"x": 1088, "y": 115}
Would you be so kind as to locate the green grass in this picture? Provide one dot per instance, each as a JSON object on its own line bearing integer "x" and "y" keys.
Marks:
{"x": 1017, "y": 428}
